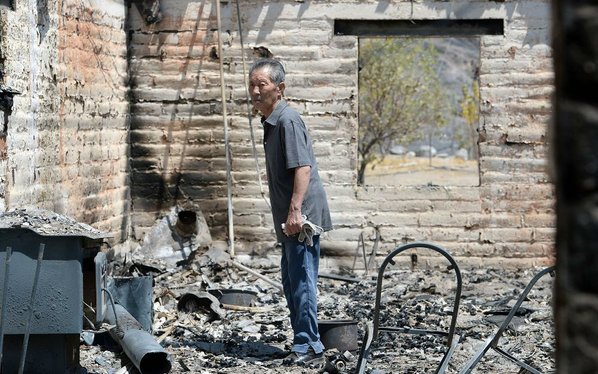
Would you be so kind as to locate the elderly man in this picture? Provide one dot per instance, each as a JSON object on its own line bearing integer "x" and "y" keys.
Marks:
{"x": 299, "y": 205}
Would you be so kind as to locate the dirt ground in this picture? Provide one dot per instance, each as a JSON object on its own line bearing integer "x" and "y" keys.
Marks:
{"x": 396, "y": 170}
{"x": 254, "y": 341}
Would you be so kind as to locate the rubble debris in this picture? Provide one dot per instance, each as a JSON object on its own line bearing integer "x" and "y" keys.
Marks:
{"x": 203, "y": 302}
{"x": 135, "y": 294}
{"x": 139, "y": 269}
{"x": 340, "y": 277}
{"x": 47, "y": 223}
{"x": 232, "y": 296}
{"x": 172, "y": 241}
{"x": 255, "y": 340}
{"x": 263, "y": 277}
{"x": 494, "y": 340}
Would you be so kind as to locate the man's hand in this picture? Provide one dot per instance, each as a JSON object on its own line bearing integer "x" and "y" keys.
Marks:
{"x": 293, "y": 224}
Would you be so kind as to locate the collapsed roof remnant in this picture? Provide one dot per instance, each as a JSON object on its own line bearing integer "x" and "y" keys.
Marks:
{"x": 48, "y": 223}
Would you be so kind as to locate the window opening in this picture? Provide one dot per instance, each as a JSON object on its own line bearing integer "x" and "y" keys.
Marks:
{"x": 418, "y": 111}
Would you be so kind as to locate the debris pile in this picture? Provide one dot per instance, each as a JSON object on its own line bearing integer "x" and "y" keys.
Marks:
{"x": 47, "y": 223}
{"x": 203, "y": 335}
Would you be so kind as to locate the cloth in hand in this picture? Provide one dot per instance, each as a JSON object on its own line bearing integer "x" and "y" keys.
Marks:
{"x": 308, "y": 231}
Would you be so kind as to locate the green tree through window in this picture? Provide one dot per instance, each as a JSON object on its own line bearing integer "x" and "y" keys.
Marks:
{"x": 411, "y": 95}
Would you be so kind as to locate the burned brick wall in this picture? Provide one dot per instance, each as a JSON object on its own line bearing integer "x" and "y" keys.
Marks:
{"x": 64, "y": 146}
{"x": 177, "y": 130}
{"x": 98, "y": 83}
{"x": 177, "y": 145}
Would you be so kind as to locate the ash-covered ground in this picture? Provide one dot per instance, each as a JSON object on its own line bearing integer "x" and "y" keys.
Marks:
{"x": 254, "y": 339}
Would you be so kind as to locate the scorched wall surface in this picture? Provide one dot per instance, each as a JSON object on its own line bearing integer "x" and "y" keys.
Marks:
{"x": 67, "y": 138}
{"x": 105, "y": 96}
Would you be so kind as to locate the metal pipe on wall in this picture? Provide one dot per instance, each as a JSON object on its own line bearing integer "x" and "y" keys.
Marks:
{"x": 248, "y": 101}
{"x": 231, "y": 234}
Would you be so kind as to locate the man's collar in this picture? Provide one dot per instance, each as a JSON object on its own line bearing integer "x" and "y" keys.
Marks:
{"x": 275, "y": 115}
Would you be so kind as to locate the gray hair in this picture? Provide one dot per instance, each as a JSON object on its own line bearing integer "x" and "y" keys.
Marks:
{"x": 274, "y": 68}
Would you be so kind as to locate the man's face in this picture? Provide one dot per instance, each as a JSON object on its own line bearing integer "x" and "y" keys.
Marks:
{"x": 264, "y": 93}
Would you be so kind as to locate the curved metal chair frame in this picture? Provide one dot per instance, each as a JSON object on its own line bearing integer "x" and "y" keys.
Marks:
{"x": 492, "y": 342}
{"x": 373, "y": 329}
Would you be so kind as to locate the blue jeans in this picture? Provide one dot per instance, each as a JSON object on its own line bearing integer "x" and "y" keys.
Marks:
{"x": 299, "y": 268}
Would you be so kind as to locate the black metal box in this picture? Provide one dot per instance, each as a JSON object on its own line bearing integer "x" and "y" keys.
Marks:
{"x": 41, "y": 290}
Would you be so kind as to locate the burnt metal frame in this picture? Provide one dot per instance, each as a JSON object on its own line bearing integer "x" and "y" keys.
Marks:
{"x": 492, "y": 342}
{"x": 361, "y": 244}
{"x": 373, "y": 329}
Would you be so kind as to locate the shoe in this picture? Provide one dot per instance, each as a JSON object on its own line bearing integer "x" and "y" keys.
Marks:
{"x": 305, "y": 359}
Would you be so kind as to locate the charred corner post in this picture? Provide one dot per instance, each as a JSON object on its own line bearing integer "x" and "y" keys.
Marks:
{"x": 575, "y": 133}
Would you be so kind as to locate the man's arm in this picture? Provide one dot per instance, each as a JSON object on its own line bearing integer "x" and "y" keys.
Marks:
{"x": 301, "y": 181}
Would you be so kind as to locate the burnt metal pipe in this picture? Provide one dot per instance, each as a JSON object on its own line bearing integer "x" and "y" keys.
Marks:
{"x": 186, "y": 224}
{"x": 146, "y": 354}
{"x": 3, "y": 306}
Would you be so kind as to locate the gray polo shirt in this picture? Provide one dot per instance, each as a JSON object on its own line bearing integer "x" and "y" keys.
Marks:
{"x": 287, "y": 145}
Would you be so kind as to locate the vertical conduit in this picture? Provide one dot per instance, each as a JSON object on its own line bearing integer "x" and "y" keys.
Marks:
{"x": 231, "y": 234}
{"x": 245, "y": 78}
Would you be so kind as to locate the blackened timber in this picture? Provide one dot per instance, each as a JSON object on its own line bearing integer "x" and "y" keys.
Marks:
{"x": 427, "y": 27}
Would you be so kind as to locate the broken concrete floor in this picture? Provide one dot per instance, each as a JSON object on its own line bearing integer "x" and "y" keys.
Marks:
{"x": 255, "y": 339}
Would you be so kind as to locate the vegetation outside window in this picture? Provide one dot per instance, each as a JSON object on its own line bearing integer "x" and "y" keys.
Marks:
{"x": 418, "y": 111}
